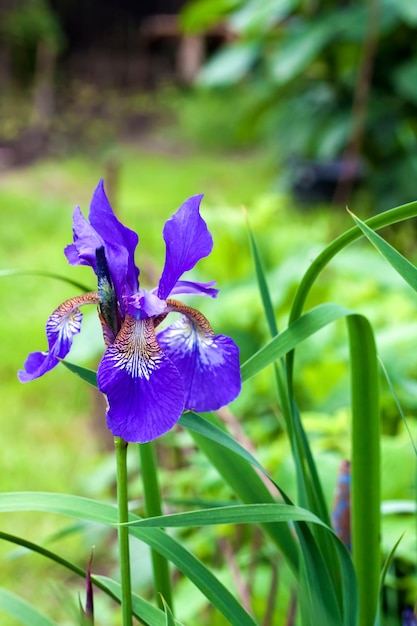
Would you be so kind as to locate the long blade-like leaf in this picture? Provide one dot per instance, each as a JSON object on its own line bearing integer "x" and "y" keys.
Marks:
{"x": 142, "y": 609}
{"x": 232, "y": 514}
{"x": 90, "y": 376}
{"x": 402, "y": 265}
{"x": 64, "y": 279}
{"x": 288, "y": 339}
{"x": 85, "y": 508}
{"x": 365, "y": 493}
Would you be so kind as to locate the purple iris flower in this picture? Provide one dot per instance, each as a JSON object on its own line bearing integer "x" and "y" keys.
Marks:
{"x": 149, "y": 376}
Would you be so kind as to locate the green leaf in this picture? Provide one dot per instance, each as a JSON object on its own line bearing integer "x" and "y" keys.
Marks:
{"x": 229, "y": 65}
{"x": 199, "y": 15}
{"x": 236, "y": 469}
{"x": 398, "y": 214}
{"x": 276, "y": 513}
{"x": 407, "y": 9}
{"x": 257, "y": 17}
{"x": 233, "y": 514}
{"x": 320, "y": 579}
{"x": 142, "y": 609}
{"x": 288, "y": 339}
{"x": 231, "y": 461}
{"x": 21, "y": 610}
{"x": 169, "y": 616}
{"x": 90, "y": 376}
{"x": 84, "y": 508}
{"x": 262, "y": 284}
{"x": 198, "y": 424}
{"x": 299, "y": 48}
{"x": 366, "y": 491}
{"x": 384, "y": 572}
{"x": 64, "y": 279}
{"x": 398, "y": 404}
{"x": 402, "y": 265}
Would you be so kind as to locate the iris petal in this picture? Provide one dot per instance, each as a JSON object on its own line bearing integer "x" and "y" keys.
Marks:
{"x": 198, "y": 289}
{"x": 105, "y": 230}
{"x": 187, "y": 240}
{"x": 208, "y": 363}
{"x": 116, "y": 236}
{"x": 62, "y": 325}
{"x": 86, "y": 242}
{"x": 143, "y": 387}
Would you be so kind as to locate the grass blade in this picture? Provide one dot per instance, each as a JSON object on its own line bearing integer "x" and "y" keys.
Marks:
{"x": 232, "y": 514}
{"x": 142, "y": 609}
{"x": 90, "y": 376}
{"x": 63, "y": 279}
{"x": 250, "y": 488}
{"x": 304, "y": 327}
{"x": 87, "y": 509}
{"x": 402, "y": 265}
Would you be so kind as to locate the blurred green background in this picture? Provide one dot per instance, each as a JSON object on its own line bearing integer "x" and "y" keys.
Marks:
{"x": 289, "y": 109}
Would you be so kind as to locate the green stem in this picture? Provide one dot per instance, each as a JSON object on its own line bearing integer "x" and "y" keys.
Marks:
{"x": 123, "y": 530}
{"x": 365, "y": 495}
{"x": 153, "y": 508}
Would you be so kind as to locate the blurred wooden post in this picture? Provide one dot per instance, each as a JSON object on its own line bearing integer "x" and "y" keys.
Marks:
{"x": 44, "y": 92}
{"x": 111, "y": 180}
{"x": 190, "y": 49}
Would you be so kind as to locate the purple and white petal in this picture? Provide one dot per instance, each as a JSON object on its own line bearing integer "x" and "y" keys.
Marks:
{"x": 183, "y": 287}
{"x": 36, "y": 365}
{"x": 208, "y": 363}
{"x": 187, "y": 240}
{"x": 143, "y": 387}
{"x": 62, "y": 325}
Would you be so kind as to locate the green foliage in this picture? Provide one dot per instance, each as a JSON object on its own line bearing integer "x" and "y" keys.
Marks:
{"x": 306, "y": 70}
{"x": 24, "y": 26}
{"x": 29, "y": 22}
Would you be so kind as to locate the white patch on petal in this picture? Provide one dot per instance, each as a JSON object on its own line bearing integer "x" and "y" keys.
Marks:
{"x": 65, "y": 322}
{"x": 135, "y": 349}
{"x": 188, "y": 337}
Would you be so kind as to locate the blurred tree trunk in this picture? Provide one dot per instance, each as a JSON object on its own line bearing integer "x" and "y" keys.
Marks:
{"x": 44, "y": 86}
{"x": 5, "y": 68}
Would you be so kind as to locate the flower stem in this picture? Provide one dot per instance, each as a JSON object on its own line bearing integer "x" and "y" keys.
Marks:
{"x": 122, "y": 505}
{"x": 153, "y": 507}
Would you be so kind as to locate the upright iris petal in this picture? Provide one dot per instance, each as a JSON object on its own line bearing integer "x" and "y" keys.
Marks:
{"x": 143, "y": 387}
{"x": 105, "y": 230}
{"x": 118, "y": 239}
{"x": 187, "y": 240}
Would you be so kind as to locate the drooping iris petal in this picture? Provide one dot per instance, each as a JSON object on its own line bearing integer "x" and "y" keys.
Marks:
{"x": 187, "y": 240}
{"x": 62, "y": 325}
{"x": 199, "y": 289}
{"x": 105, "y": 230}
{"x": 143, "y": 388}
{"x": 208, "y": 363}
